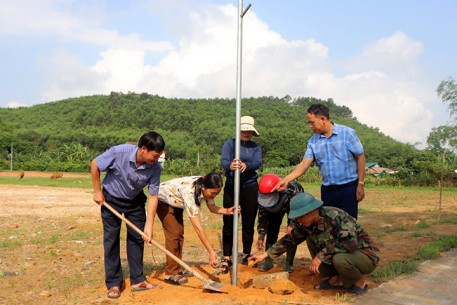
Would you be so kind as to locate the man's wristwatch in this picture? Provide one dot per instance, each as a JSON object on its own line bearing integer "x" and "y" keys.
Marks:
{"x": 362, "y": 182}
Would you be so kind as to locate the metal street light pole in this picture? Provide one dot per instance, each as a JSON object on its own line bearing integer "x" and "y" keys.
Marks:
{"x": 241, "y": 14}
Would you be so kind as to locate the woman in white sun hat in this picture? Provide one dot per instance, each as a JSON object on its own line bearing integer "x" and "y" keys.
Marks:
{"x": 250, "y": 160}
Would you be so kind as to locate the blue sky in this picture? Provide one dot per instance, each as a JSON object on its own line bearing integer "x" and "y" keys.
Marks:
{"x": 383, "y": 59}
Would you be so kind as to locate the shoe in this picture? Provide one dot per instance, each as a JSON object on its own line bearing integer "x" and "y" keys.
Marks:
{"x": 356, "y": 290}
{"x": 325, "y": 285}
{"x": 145, "y": 285}
{"x": 114, "y": 292}
{"x": 226, "y": 265}
{"x": 176, "y": 279}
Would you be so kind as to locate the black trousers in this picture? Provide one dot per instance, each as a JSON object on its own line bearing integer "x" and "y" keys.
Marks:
{"x": 274, "y": 225}
{"x": 341, "y": 196}
{"x": 134, "y": 211}
{"x": 249, "y": 206}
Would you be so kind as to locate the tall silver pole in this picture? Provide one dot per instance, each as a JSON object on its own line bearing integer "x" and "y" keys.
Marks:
{"x": 236, "y": 197}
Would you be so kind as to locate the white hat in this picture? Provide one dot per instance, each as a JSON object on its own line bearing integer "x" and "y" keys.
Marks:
{"x": 247, "y": 124}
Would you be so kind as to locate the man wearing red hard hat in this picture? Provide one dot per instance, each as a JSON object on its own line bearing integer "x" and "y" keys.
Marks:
{"x": 273, "y": 205}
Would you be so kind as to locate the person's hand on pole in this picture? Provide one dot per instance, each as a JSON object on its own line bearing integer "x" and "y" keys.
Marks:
{"x": 238, "y": 164}
{"x": 235, "y": 164}
{"x": 230, "y": 211}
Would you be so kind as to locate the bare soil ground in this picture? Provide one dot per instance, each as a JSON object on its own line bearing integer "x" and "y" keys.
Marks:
{"x": 51, "y": 249}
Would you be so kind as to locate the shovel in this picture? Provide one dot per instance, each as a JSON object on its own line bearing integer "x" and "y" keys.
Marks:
{"x": 207, "y": 284}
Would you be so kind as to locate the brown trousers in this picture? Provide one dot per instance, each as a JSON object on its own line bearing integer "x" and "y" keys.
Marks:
{"x": 173, "y": 228}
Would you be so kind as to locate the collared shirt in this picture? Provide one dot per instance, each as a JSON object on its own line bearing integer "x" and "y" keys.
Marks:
{"x": 335, "y": 155}
{"x": 179, "y": 193}
{"x": 335, "y": 232}
{"x": 123, "y": 178}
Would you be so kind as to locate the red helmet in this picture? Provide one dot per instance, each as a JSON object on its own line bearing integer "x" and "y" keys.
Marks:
{"x": 267, "y": 183}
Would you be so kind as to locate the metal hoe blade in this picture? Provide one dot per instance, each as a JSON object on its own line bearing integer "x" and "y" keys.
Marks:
{"x": 207, "y": 284}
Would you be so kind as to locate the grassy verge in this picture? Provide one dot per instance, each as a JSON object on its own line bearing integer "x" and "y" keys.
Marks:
{"x": 42, "y": 181}
{"x": 426, "y": 252}
{"x": 83, "y": 182}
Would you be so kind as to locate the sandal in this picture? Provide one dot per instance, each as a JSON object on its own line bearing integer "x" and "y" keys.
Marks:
{"x": 356, "y": 290}
{"x": 114, "y": 292}
{"x": 145, "y": 285}
{"x": 185, "y": 273}
{"x": 226, "y": 265}
{"x": 176, "y": 279}
{"x": 325, "y": 285}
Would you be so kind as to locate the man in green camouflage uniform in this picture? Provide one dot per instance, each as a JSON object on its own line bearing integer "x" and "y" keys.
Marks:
{"x": 341, "y": 249}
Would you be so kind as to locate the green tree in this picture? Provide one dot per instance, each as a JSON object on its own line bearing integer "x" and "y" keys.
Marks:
{"x": 67, "y": 134}
{"x": 443, "y": 139}
{"x": 447, "y": 91}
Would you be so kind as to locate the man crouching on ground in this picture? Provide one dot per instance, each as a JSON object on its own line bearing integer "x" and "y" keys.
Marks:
{"x": 341, "y": 250}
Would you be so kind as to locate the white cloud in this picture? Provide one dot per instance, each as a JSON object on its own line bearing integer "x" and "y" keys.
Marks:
{"x": 397, "y": 55}
{"x": 121, "y": 69}
{"x": 381, "y": 84}
{"x": 47, "y": 19}
{"x": 379, "y": 101}
{"x": 382, "y": 88}
{"x": 67, "y": 76}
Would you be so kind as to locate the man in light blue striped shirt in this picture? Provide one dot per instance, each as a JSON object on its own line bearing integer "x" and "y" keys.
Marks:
{"x": 340, "y": 157}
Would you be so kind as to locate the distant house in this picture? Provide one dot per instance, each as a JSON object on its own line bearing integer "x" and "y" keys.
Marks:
{"x": 372, "y": 168}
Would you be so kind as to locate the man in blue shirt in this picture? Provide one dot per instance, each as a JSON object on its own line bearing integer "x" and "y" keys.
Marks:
{"x": 129, "y": 169}
{"x": 340, "y": 157}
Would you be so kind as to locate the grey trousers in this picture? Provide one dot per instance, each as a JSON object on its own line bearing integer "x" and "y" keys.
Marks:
{"x": 350, "y": 267}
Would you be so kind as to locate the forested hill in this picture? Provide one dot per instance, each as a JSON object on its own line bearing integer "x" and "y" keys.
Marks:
{"x": 63, "y": 133}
